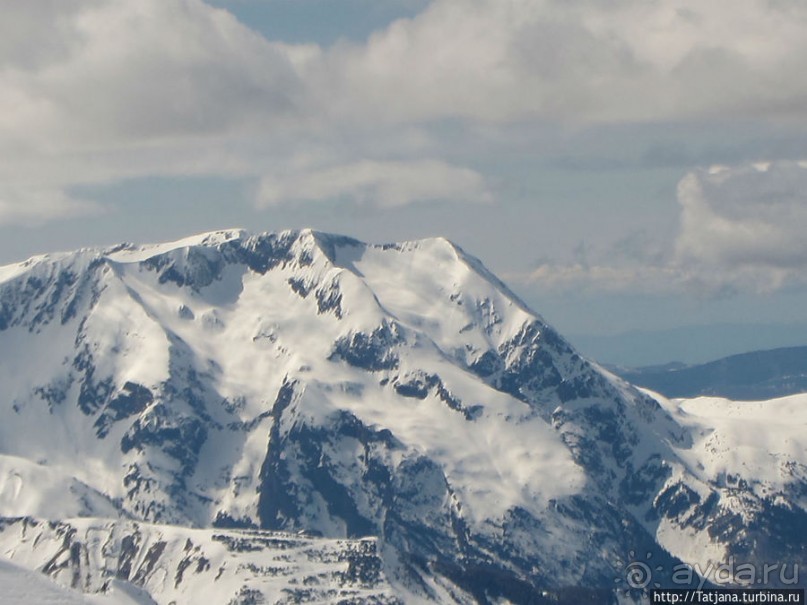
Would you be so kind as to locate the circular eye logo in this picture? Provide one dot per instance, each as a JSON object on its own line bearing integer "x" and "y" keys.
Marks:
{"x": 638, "y": 574}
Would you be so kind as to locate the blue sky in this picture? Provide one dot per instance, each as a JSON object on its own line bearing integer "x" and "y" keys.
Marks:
{"x": 624, "y": 166}
{"x": 323, "y": 22}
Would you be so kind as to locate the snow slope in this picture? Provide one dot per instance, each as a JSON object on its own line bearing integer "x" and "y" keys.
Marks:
{"x": 302, "y": 381}
{"x": 741, "y": 492}
{"x": 111, "y": 559}
{"x": 20, "y": 586}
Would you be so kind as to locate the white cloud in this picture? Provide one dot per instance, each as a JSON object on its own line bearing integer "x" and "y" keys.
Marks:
{"x": 741, "y": 229}
{"x": 93, "y": 91}
{"x": 746, "y": 224}
{"x": 33, "y": 204}
{"x": 130, "y": 70}
{"x": 624, "y": 60}
{"x": 606, "y": 278}
{"x": 377, "y": 183}
{"x": 133, "y": 71}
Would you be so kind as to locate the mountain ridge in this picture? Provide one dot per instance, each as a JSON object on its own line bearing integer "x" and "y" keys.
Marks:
{"x": 755, "y": 375}
{"x": 308, "y": 382}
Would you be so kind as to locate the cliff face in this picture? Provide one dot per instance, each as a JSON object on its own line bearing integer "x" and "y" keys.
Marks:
{"x": 305, "y": 382}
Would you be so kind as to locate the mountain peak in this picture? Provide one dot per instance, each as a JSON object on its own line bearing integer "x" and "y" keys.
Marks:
{"x": 302, "y": 381}
{"x": 134, "y": 253}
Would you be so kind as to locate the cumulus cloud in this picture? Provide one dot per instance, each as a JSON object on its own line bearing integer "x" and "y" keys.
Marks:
{"x": 131, "y": 72}
{"x": 161, "y": 68}
{"x": 125, "y": 88}
{"x": 378, "y": 183}
{"x": 741, "y": 228}
{"x": 94, "y": 91}
{"x": 746, "y": 223}
{"x": 625, "y": 60}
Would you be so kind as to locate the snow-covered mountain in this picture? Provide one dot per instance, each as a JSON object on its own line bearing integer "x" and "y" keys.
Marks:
{"x": 395, "y": 405}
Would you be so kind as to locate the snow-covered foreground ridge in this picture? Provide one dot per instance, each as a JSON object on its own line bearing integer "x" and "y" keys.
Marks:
{"x": 306, "y": 382}
{"x": 184, "y": 565}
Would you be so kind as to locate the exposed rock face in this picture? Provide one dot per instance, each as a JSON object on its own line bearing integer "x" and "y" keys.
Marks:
{"x": 397, "y": 396}
{"x": 205, "y": 565}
